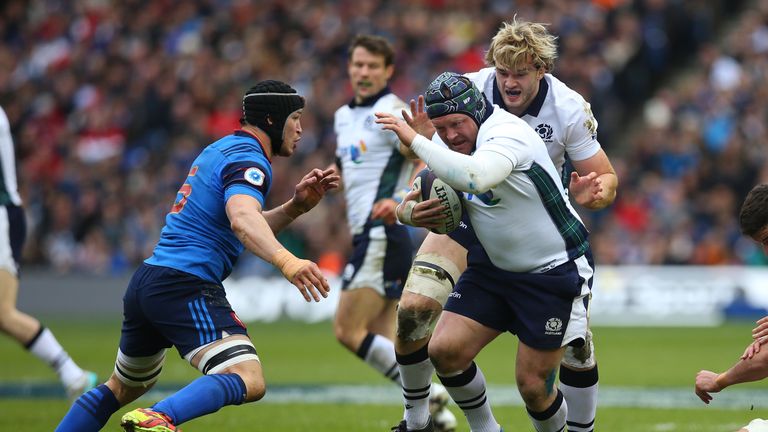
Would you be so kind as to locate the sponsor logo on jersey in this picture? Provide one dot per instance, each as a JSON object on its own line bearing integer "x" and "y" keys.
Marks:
{"x": 545, "y": 132}
{"x": 254, "y": 176}
{"x": 554, "y": 326}
{"x": 454, "y": 294}
{"x": 356, "y": 152}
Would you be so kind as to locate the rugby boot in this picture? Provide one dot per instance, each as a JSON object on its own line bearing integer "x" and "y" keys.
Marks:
{"x": 146, "y": 420}
{"x": 403, "y": 427}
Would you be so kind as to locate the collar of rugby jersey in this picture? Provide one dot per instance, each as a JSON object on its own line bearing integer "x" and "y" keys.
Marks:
{"x": 245, "y": 133}
{"x": 369, "y": 101}
{"x": 536, "y": 104}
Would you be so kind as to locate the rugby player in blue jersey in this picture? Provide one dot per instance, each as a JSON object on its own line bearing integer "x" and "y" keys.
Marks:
{"x": 176, "y": 298}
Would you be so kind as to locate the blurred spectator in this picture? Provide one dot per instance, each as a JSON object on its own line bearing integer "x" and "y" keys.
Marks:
{"x": 109, "y": 99}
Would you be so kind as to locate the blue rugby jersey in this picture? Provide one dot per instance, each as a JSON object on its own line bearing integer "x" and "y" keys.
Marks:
{"x": 197, "y": 237}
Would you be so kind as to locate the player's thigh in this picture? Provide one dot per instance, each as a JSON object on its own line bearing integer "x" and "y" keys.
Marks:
{"x": 164, "y": 307}
{"x": 384, "y": 323}
{"x": 12, "y": 234}
{"x": 359, "y": 307}
{"x": 445, "y": 246}
{"x": 434, "y": 273}
{"x": 9, "y": 288}
{"x": 457, "y": 340}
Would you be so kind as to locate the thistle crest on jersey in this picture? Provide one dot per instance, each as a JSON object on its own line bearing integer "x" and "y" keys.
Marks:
{"x": 451, "y": 93}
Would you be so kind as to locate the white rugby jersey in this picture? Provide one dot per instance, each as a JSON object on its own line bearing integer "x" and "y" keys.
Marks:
{"x": 9, "y": 191}
{"x": 525, "y": 223}
{"x": 372, "y": 166}
{"x": 560, "y": 116}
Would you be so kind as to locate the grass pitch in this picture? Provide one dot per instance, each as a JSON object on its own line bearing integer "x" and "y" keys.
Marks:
{"x": 298, "y": 354}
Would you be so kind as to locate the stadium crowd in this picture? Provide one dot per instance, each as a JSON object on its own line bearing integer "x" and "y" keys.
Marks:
{"x": 109, "y": 102}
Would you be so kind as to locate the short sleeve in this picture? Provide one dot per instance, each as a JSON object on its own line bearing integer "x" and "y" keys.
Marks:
{"x": 253, "y": 178}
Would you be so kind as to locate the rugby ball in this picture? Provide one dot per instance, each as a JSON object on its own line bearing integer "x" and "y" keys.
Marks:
{"x": 432, "y": 187}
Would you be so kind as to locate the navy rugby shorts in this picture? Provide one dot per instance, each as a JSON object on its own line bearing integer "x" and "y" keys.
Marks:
{"x": 381, "y": 258}
{"x": 545, "y": 310}
{"x": 165, "y": 307}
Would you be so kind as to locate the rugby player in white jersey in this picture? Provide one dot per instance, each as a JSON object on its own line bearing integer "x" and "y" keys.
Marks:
{"x": 521, "y": 57}
{"x": 373, "y": 171}
{"x": 534, "y": 277}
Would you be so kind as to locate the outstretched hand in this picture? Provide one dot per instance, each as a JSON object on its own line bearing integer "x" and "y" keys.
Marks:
{"x": 305, "y": 275}
{"x": 313, "y": 187}
{"x": 706, "y": 383}
{"x": 761, "y": 331}
{"x": 586, "y": 190}
{"x": 384, "y": 209}
{"x": 418, "y": 118}
{"x": 405, "y": 133}
{"x": 310, "y": 281}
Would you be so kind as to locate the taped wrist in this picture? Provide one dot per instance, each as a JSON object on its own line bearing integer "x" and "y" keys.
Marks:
{"x": 399, "y": 196}
{"x": 404, "y": 212}
{"x": 287, "y": 263}
{"x": 719, "y": 381}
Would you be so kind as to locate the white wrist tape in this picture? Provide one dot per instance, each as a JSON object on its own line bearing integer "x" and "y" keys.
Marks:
{"x": 404, "y": 212}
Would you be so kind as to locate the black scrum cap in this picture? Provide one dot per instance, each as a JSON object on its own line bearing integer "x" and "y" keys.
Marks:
{"x": 267, "y": 106}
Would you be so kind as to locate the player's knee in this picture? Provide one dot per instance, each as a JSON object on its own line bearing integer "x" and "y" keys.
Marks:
{"x": 534, "y": 391}
{"x": 348, "y": 335}
{"x": 134, "y": 376}
{"x": 447, "y": 357}
{"x": 123, "y": 393}
{"x": 5, "y": 321}
{"x": 255, "y": 386}
{"x": 432, "y": 276}
{"x": 581, "y": 357}
{"x": 414, "y": 324}
{"x": 9, "y": 317}
{"x": 227, "y": 354}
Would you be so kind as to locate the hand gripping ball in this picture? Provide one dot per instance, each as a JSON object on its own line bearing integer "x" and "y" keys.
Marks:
{"x": 433, "y": 187}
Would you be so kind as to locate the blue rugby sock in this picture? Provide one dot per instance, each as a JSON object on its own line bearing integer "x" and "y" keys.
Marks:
{"x": 90, "y": 411}
{"x": 203, "y": 396}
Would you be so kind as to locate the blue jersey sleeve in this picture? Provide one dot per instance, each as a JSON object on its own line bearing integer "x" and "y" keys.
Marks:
{"x": 252, "y": 178}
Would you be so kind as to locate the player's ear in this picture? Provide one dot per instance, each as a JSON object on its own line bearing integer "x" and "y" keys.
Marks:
{"x": 390, "y": 70}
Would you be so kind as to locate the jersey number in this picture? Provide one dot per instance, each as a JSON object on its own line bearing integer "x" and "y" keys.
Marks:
{"x": 185, "y": 191}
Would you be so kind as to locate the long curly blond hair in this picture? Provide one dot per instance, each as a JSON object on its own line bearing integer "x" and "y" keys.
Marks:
{"x": 517, "y": 42}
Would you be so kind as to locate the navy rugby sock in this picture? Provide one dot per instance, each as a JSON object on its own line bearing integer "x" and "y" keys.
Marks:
{"x": 90, "y": 412}
{"x": 202, "y": 396}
